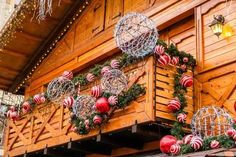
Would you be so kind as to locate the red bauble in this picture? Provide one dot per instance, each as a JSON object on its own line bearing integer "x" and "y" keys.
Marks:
{"x": 97, "y": 119}
{"x": 186, "y": 81}
{"x": 166, "y": 142}
{"x": 26, "y": 107}
{"x": 102, "y": 105}
{"x": 68, "y": 74}
{"x": 174, "y": 105}
{"x": 164, "y": 59}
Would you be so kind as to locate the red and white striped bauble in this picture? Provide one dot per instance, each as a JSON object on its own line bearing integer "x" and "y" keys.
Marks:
{"x": 174, "y": 105}
{"x": 180, "y": 142}
{"x": 230, "y": 132}
{"x": 90, "y": 77}
{"x": 97, "y": 119}
{"x": 187, "y": 139}
{"x": 174, "y": 60}
{"x": 12, "y": 115}
{"x": 164, "y": 59}
{"x": 96, "y": 91}
{"x": 215, "y": 144}
{"x": 159, "y": 50}
{"x": 115, "y": 64}
{"x": 42, "y": 99}
{"x": 68, "y": 102}
{"x": 175, "y": 149}
{"x": 105, "y": 70}
{"x": 37, "y": 99}
{"x": 181, "y": 117}
{"x": 113, "y": 100}
{"x": 185, "y": 59}
{"x": 67, "y": 74}
{"x": 186, "y": 81}
{"x": 196, "y": 142}
{"x": 13, "y": 108}
{"x": 26, "y": 107}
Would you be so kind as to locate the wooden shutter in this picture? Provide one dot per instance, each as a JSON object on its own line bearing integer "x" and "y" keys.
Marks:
{"x": 98, "y": 17}
{"x": 114, "y": 11}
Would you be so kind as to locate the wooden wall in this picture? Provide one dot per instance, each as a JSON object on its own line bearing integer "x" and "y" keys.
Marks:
{"x": 182, "y": 22}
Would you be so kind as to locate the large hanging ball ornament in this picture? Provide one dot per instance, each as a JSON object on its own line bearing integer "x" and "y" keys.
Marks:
{"x": 215, "y": 144}
{"x": 166, "y": 142}
{"x": 83, "y": 106}
{"x": 96, "y": 91}
{"x": 186, "y": 81}
{"x": 182, "y": 117}
{"x": 67, "y": 74}
{"x": 102, "y": 105}
{"x": 136, "y": 35}
{"x": 69, "y": 102}
{"x": 196, "y": 142}
{"x": 114, "y": 82}
{"x": 164, "y": 59}
{"x": 113, "y": 100}
{"x": 59, "y": 89}
{"x": 97, "y": 119}
{"x": 90, "y": 77}
{"x": 159, "y": 50}
{"x": 105, "y": 69}
{"x": 174, "y": 105}
{"x": 115, "y": 64}
{"x": 175, "y": 149}
{"x": 26, "y": 107}
{"x": 210, "y": 117}
{"x": 187, "y": 139}
{"x": 37, "y": 99}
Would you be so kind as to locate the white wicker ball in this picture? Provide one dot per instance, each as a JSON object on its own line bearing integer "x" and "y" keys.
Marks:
{"x": 84, "y": 106}
{"x": 210, "y": 121}
{"x": 60, "y": 88}
{"x": 114, "y": 82}
{"x": 136, "y": 34}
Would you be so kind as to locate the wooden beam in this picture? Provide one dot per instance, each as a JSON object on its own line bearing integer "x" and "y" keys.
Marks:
{"x": 89, "y": 147}
{"x": 14, "y": 53}
{"x": 29, "y": 36}
{"x": 9, "y": 70}
{"x": 5, "y": 80}
{"x": 120, "y": 141}
{"x": 55, "y": 152}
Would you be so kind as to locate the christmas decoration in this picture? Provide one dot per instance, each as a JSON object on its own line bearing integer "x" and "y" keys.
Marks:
{"x": 102, "y": 105}
{"x": 164, "y": 59}
{"x": 37, "y": 99}
{"x": 115, "y": 64}
{"x": 230, "y": 132}
{"x": 187, "y": 139}
{"x": 211, "y": 121}
{"x": 96, "y": 91}
{"x": 68, "y": 102}
{"x": 215, "y": 144}
{"x": 45, "y": 7}
{"x": 196, "y": 142}
{"x": 42, "y": 99}
{"x": 67, "y": 74}
{"x": 26, "y": 107}
{"x": 185, "y": 59}
{"x": 186, "y": 81}
{"x": 174, "y": 105}
{"x": 90, "y": 77}
{"x": 180, "y": 142}
{"x": 113, "y": 100}
{"x": 97, "y": 120}
{"x": 136, "y": 35}
{"x": 114, "y": 82}
{"x": 175, "y": 149}
{"x": 105, "y": 70}
{"x": 181, "y": 117}
{"x": 60, "y": 88}
{"x": 174, "y": 61}
{"x": 183, "y": 67}
{"x": 166, "y": 142}
{"x": 159, "y": 50}
{"x": 83, "y": 106}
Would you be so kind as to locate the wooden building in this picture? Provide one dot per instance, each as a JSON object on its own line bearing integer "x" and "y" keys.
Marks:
{"x": 79, "y": 34}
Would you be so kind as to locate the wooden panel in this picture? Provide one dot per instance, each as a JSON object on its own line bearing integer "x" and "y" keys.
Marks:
{"x": 136, "y": 5}
{"x": 98, "y": 16}
{"x": 113, "y": 12}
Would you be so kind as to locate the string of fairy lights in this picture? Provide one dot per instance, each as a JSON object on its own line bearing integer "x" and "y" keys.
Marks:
{"x": 15, "y": 22}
